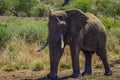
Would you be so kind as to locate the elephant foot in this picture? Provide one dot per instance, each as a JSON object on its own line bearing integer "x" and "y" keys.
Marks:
{"x": 52, "y": 77}
{"x": 108, "y": 73}
{"x": 86, "y": 74}
{"x": 75, "y": 75}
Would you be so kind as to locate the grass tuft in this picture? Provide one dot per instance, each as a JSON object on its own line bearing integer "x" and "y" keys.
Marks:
{"x": 38, "y": 65}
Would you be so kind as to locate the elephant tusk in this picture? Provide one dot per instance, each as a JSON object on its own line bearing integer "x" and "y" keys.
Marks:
{"x": 62, "y": 42}
{"x": 58, "y": 20}
{"x": 45, "y": 44}
{"x": 51, "y": 10}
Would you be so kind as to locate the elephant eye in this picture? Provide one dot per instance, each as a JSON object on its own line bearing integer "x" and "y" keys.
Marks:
{"x": 60, "y": 17}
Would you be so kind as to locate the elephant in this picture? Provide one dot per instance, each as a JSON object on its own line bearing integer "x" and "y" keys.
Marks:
{"x": 82, "y": 32}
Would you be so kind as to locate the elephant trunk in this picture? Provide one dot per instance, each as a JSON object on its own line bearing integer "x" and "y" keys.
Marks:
{"x": 45, "y": 44}
{"x": 61, "y": 36}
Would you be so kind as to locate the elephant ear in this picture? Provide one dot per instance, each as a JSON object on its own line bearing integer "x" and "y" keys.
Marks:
{"x": 76, "y": 12}
{"x": 76, "y": 21}
{"x": 77, "y": 17}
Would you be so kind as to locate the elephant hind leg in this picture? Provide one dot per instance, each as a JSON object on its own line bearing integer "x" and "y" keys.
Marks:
{"x": 88, "y": 59}
{"x": 101, "y": 52}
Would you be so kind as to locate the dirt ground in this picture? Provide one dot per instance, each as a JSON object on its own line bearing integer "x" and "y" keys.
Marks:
{"x": 39, "y": 75}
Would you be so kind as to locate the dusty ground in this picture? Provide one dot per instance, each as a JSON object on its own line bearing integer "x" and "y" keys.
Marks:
{"x": 38, "y": 75}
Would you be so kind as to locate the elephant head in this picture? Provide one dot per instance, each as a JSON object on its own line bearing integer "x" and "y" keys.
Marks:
{"x": 64, "y": 23}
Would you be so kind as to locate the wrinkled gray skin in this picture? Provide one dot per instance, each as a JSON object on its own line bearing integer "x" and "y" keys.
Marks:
{"x": 82, "y": 32}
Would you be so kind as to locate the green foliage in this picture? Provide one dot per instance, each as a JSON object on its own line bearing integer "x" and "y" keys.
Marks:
{"x": 40, "y": 10}
{"x": 23, "y": 8}
{"x": 41, "y": 7}
{"x": 109, "y": 22}
{"x": 33, "y": 32}
{"x": 26, "y": 29}
{"x": 104, "y": 7}
{"x": 4, "y": 6}
{"x": 116, "y": 33}
{"x": 108, "y": 8}
{"x": 5, "y": 34}
{"x": 84, "y": 5}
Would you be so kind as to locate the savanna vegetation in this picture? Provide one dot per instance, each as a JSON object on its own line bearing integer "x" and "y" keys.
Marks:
{"x": 23, "y": 29}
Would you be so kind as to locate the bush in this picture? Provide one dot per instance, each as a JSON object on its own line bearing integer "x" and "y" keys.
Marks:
{"x": 5, "y": 34}
{"x": 22, "y": 8}
{"x": 4, "y": 5}
{"x": 39, "y": 10}
{"x": 109, "y": 22}
{"x": 104, "y": 7}
{"x": 108, "y": 8}
{"x": 84, "y": 5}
{"x": 33, "y": 32}
{"x": 27, "y": 30}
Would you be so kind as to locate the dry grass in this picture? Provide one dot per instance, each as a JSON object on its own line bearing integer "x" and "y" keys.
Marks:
{"x": 20, "y": 55}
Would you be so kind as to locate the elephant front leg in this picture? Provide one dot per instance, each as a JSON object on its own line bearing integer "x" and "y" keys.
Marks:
{"x": 53, "y": 70}
{"x": 88, "y": 68}
{"x": 75, "y": 61}
{"x": 55, "y": 55}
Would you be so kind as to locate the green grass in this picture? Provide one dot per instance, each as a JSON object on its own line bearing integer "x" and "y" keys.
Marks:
{"x": 25, "y": 29}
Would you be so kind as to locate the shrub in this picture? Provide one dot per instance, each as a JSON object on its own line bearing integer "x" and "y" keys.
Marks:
{"x": 5, "y": 34}
{"x": 4, "y": 5}
{"x": 33, "y": 32}
{"x": 28, "y": 30}
{"x": 40, "y": 10}
{"x": 22, "y": 8}
{"x": 84, "y": 5}
{"x": 109, "y": 22}
{"x": 108, "y": 8}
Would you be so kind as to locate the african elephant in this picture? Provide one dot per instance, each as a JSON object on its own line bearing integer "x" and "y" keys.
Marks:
{"x": 82, "y": 32}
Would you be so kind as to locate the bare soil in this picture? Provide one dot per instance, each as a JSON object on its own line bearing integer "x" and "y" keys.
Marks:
{"x": 64, "y": 75}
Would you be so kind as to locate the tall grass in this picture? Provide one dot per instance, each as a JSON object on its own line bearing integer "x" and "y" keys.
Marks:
{"x": 25, "y": 29}
{"x": 113, "y": 44}
{"x": 21, "y": 38}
